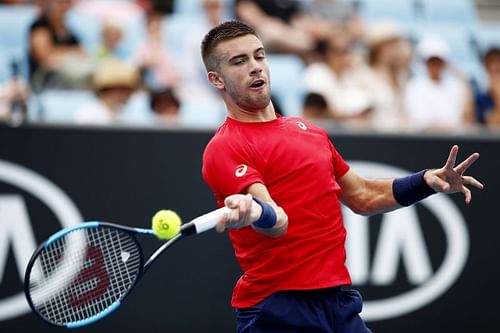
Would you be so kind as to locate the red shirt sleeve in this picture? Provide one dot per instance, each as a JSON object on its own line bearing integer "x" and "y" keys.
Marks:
{"x": 340, "y": 166}
{"x": 230, "y": 167}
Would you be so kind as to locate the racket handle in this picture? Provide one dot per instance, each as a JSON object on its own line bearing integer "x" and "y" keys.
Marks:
{"x": 208, "y": 221}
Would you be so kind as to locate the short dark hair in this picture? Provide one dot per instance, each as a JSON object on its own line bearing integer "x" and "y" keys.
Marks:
{"x": 225, "y": 31}
{"x": 165, "y": 94}
{"x": 492, "y": 51}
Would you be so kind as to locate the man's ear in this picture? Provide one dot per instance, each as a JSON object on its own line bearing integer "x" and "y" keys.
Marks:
{"x": 215, "y": 79}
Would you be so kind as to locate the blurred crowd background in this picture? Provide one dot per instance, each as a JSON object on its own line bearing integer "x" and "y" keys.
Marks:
{"x": 381, "y": 65}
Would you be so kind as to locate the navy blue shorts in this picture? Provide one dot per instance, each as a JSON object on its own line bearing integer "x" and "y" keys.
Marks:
{"x": 333, "y": 310}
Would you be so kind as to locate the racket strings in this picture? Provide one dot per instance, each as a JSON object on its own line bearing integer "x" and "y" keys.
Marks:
{"x": 84, "y": 273}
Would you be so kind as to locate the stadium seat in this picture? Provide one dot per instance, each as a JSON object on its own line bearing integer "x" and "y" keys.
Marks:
{"x": 451, "y": 11}
{"x": 487, "y": 35}
{"x": 60, "y": 106}
{"x": 287, "y": 82}
{"x": 188, "y": 7}
{"x": 405, "y": 13}
{"x": 176, "y": 28}
{"x": 195, "y": 7}
{"x": 86, "y": 27}
{"x": 5, "y": 72}
{"x": 202, "y": 113}
{"x": 15, "y": 21}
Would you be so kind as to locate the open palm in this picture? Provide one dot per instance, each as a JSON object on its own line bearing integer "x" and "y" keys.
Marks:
{"x": 450, "y": 178}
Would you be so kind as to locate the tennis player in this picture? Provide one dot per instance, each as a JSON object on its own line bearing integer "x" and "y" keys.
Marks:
{"x": 284, "y": 181}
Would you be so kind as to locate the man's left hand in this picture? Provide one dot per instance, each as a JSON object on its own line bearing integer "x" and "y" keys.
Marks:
{"x": 450, "y": 178}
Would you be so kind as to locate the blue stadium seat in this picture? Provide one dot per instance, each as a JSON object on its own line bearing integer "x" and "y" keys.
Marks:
{"x": 287, "y": 82}
{"x": 454, "y": 11}
{"x": 60, "y": 106}
{"x": 190, "y": 7}
{"x": 406, "y": 14}
{"x": 487, "y": 35}
{"x": 86, "y": 27}
{"x": 401, "y": 11}
{"x": 202, "y": 113}
{"x": 5, "y": 72}
{"x": 176, "y": 28}
{"x": 15, "y": 21}
{"x": 474, "y": 70}
{"x": 137, "y": 111}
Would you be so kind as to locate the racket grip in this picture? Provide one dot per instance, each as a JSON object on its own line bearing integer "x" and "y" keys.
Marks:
{"x": 208, "y": 221}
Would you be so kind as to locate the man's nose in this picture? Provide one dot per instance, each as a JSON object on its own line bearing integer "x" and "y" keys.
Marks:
{"x": 256, "y": 67}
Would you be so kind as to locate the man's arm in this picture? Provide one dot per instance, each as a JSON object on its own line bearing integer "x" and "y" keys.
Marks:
{"x": 371, "y": 196}
{"x": 245, "y": 211}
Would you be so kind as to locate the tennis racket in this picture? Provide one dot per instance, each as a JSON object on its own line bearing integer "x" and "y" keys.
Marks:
{"x": 82, "y": 274}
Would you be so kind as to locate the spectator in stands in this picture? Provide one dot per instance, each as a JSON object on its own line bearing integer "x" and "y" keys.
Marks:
{"x": 315, "y": 107}
{"x": 12, "y": 2}
{"x": 488, "y": 102}
{"x": 56, "y": 59}
{"x": 194, "y": 77}
{"x": 339, "y": 80}
{"x": 438, "y": 99}
{"x": 166, "y": 105}
{"x": 13, "y": 102}
{"x": 343, "y": 14}
{"x": 155, "y": 62}
{"x": 389, "y": 71}
{"x": 194, "y": 90}
{"x": 111, "y": 35}
{"x": 114, "y": 82}
{"x": 282, "y": 25}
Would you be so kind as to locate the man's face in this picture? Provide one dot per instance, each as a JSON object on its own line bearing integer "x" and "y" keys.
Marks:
{"x": 493, "y": 65}
{"x": 243, "y": 73}
{"x": 435, "y": 66}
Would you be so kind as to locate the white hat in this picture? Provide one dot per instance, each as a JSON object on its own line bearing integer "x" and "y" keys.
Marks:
{"x": 114, "y": 73}
{"x": 382, "y": 32}
{"x": 433, "y": 47}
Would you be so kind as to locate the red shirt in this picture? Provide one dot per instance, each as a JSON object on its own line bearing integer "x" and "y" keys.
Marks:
{"x": 298, "y": 164}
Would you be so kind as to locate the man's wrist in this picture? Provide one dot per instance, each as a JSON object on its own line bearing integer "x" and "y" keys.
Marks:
{"x": 411, "y": 189}
{"x": 267, "y": 218}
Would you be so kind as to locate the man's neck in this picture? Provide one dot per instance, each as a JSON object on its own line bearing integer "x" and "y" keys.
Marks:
{"x": 251, "y": 115}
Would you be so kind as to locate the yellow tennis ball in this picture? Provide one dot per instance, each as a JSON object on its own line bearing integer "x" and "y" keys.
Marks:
{"x": 166, "y": 224}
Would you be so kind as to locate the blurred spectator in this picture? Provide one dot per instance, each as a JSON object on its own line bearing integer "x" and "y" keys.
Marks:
{"x": 13, "y": 2}
{"x": 282, "y": 25}
{"x": 111, "y": 35}
{"x": 156, "y": 64}
{"x": 339, "y": 81}
{"x": 343, "y": 14}
{"x": 315, "y": 107}
{"x": 194, "y": 76}
{"x": 488, "y": 102}
{"x": 56, "y": 59}
{"x": 439, "y": 99}
{"x": 166, "y": 105}
{"x": 14, "y": 99}
{"x": 114, "y": 82}
{"x": 388, "y": 56}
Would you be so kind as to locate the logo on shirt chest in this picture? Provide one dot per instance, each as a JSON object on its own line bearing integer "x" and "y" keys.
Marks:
{"x": 301, "y": 125}
{"x": 241, "y": 170}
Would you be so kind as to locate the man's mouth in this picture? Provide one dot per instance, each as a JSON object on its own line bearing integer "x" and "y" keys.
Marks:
{"x": 257, "y": 84}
